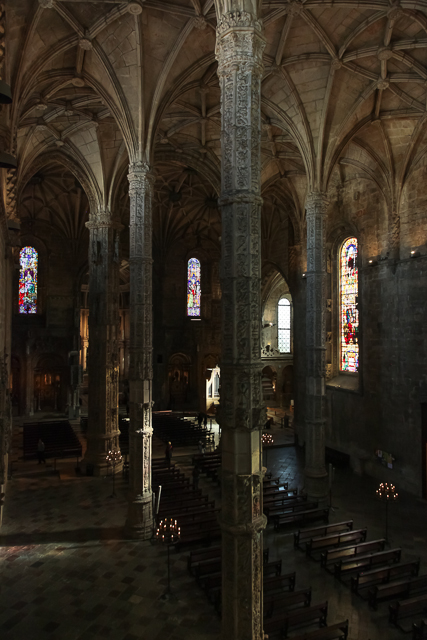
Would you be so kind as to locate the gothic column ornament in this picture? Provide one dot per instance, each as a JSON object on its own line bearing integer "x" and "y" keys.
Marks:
{"x": 103, "y": 362}
{"x": 315, "y": 471}
{"x": 239, "y": 47}
{"x": 394, "y": 233}
{"x": 140, "y": 513}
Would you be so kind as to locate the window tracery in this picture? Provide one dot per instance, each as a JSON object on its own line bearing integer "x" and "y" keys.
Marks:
{"x": 193, "y": 288}
{"x": 284, "y": 325}
{"x": 349, "y": 313}
{"x": 28, "y": 264}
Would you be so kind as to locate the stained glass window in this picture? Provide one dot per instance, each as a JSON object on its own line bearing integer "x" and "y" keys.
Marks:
{"x": 349, "y": 285}
{"x": 193, "y": 288}
{"x": 28, "y": 262}
{"x": 284, "y": 325}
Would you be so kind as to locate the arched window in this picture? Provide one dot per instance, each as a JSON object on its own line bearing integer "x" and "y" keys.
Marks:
{"x": 284, "y": 325}
{"x": 28, "y": 263}
{"x": 193, "y": 288}
{"x": 349, "y": 313}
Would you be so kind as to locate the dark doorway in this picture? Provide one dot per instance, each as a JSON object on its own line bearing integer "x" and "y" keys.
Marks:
{"x": 424, "y": 448}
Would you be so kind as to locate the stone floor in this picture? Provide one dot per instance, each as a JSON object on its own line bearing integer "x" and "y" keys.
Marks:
{"x": 66, "y": 572}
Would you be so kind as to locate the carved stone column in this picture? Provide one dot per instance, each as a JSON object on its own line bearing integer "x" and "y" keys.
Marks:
{"x": 103, "y": 363}
{"x": 394, "y": 233}
{"x": 315, "y": 471}
{"x": 239, "y": 49}
{"x": 139, "y": 522}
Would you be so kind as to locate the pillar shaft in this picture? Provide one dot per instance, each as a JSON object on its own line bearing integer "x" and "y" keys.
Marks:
{"x": 103, "y": 363}
{"x": 240, "y": 44}
{"x": 140, "y": 514}
{"x": 315, "y": 472}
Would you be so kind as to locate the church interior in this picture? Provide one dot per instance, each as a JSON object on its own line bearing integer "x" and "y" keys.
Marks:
{"x": 213, "y": 272}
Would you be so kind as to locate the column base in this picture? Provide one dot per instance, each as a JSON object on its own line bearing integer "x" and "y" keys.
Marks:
{"x": 140, "y": 523}
{"x": 98, "y": 467}
{"x": 316, "y": 485}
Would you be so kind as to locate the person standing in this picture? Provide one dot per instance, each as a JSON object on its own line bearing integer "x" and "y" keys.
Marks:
{"x": 168, "y": 453}
{"x": 40, "y": 451}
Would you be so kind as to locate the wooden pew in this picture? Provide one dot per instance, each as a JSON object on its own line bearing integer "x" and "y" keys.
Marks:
{"x": 289, "y": 506}
{"x": 419, "y": 630}
{"x": 405, "y": 608}
{"x": 345, "y": 567}
{"x": 292, "y": 599}
{"x": 202, "y": 555}
{"x": 337, "y": 631}
{"x": 397, "y": 589}
{"x": 271, "y": 586}
{"x": 302, "y": 516}
{"x": 367, "y": 579}
{"x": 332, "y": 555}
{"x": 279, "y": 583}
{"x": 289, "y": 619}
{"x": 302, "y": 535}
{"x": 335, "y": 539}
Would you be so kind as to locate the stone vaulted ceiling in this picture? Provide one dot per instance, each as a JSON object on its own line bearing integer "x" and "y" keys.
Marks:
{"x": 101, "y": 83}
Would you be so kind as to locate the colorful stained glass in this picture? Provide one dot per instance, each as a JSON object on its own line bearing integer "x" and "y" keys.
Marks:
{"x": 193, "y": 288}
{"x": 28, "y": 261}
{"x": 349, "y": 286}
{"x": 284, "y": 325}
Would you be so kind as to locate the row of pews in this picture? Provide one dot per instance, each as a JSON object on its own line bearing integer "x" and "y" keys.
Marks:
{"x": 182, "y": 433}
{"x": 284, "y": 506}
{"x": 195, "y": 513}
{"x": 372, "y": 571}
{"x": 58, "y": 436}
{"x": 286, "y": 609}
{"x": 209, "y": 464}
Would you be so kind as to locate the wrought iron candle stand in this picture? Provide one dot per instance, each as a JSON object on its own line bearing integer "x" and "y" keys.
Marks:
{"x": 113, "y": 457}
{"x": 167, "y": 533}
{"x": 387, "y": 492}
{"x": 267, "y": 441}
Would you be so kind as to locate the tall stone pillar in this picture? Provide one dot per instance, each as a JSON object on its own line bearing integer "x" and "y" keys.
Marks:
{"x": 315, "y": 471}
{"x": 139, "y": 522}
{"x": 103, "y": 362}
{"x": 239, "y": 49}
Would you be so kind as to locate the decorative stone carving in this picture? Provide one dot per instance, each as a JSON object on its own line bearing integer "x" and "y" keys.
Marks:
{"x": 85, "y": 44}
{"x": 200, "y": 23}
{"x": 315, "y": 472}
{"x": 394, "y": 234}
{"x": 239, "y": 47}
{"x": 139, "y": 522}
{"x": 134, "y": 8}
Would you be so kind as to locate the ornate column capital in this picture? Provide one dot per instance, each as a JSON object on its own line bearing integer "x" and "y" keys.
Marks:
{"x": 139, "y": 173}
{"x": 103, "y": 218}
{"x": 316, "y": 202}
{"x": 240, "y": 42}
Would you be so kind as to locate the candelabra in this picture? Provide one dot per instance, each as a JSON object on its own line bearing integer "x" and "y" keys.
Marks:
{"x": 267, "y": 441}
{"x": 168, "y": 532}
{"x": 387, "y": 493}
{"x": 113, "y": 457}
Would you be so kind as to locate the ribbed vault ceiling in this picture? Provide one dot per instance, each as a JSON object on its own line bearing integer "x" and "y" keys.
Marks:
{"x": 345, "y": 87}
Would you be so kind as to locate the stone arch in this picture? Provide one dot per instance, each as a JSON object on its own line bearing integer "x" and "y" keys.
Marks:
{"x": 70, "y": 162}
